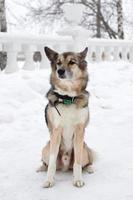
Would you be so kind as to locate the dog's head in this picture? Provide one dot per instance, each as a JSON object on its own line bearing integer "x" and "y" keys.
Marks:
{"x": 67, "y": 67}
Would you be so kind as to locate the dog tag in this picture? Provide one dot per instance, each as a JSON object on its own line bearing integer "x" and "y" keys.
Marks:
{"x": 67, "y": 101}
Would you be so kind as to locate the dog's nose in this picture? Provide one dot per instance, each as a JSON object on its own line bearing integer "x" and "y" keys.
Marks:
{"x": 61, "y": 71}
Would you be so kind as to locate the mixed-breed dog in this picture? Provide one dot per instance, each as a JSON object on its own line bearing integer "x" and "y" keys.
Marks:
{"x": 67, "y": 115}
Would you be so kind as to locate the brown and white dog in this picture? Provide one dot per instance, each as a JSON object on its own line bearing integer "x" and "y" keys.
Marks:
{"x": 67, "y": 115}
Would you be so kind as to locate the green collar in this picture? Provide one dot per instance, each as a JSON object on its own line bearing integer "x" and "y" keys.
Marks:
{"x": 67, "y": 100}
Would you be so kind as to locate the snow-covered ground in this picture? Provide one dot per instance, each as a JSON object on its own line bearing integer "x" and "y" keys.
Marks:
{"x": 23, "y": 133}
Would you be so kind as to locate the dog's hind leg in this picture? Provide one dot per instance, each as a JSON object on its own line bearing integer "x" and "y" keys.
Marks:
{"x": 87, "y": 160}
{"x": 45, "y": 158}
{"x": 45, "y": 154}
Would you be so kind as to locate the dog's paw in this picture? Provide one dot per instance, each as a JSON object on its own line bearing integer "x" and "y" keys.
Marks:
{"x": 79, "y": 183}
{"x": 89, "y": 169}
{"x": 42, "y": 168}
{"x": 48, "y": 184}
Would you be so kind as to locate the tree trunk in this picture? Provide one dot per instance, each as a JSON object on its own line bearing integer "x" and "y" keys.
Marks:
{"x": 3, "y": 28}
{"x": 120, "y": 19}
{"x": 98, "y": 20}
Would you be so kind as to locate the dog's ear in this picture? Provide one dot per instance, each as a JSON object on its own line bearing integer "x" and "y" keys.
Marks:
{"x": 51, "y": 54}
{"x": 83, "y": 54}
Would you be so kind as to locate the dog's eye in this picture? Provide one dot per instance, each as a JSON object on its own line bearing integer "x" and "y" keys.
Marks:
{"x": 72, "y": 62}
{"x": 59, "y": 63}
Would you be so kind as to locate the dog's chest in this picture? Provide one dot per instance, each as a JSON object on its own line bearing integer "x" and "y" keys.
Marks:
{"x": 70, "y": 116}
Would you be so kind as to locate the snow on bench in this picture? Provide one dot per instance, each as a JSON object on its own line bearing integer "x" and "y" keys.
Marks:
{"x": 99, "y": 49}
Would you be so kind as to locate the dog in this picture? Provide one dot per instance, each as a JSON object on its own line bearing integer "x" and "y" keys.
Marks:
{"x": 67, "y": 115}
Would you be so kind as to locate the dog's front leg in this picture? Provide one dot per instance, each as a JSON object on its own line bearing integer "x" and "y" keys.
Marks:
{"x": 54, "y": 149}
{"x": 78, "y": 151}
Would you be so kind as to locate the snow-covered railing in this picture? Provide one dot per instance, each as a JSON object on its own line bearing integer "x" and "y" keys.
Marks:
{"x": 15, "y": 44}
{"x": 110, "y": 50}
{"x": 99, "y": 49}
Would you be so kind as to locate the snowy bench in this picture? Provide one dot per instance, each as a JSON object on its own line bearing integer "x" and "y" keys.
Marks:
{"x": 99, "y": 49}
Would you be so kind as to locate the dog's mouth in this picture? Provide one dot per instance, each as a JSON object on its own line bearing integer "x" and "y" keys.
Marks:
{"x": 64, "y": 74}
{"x": 62, "y": 77}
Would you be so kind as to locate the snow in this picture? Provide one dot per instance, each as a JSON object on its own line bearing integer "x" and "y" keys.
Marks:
{"x": 23, "y": 133}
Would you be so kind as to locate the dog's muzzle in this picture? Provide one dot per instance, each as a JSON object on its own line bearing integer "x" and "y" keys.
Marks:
{"x": 61, "y": 73}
